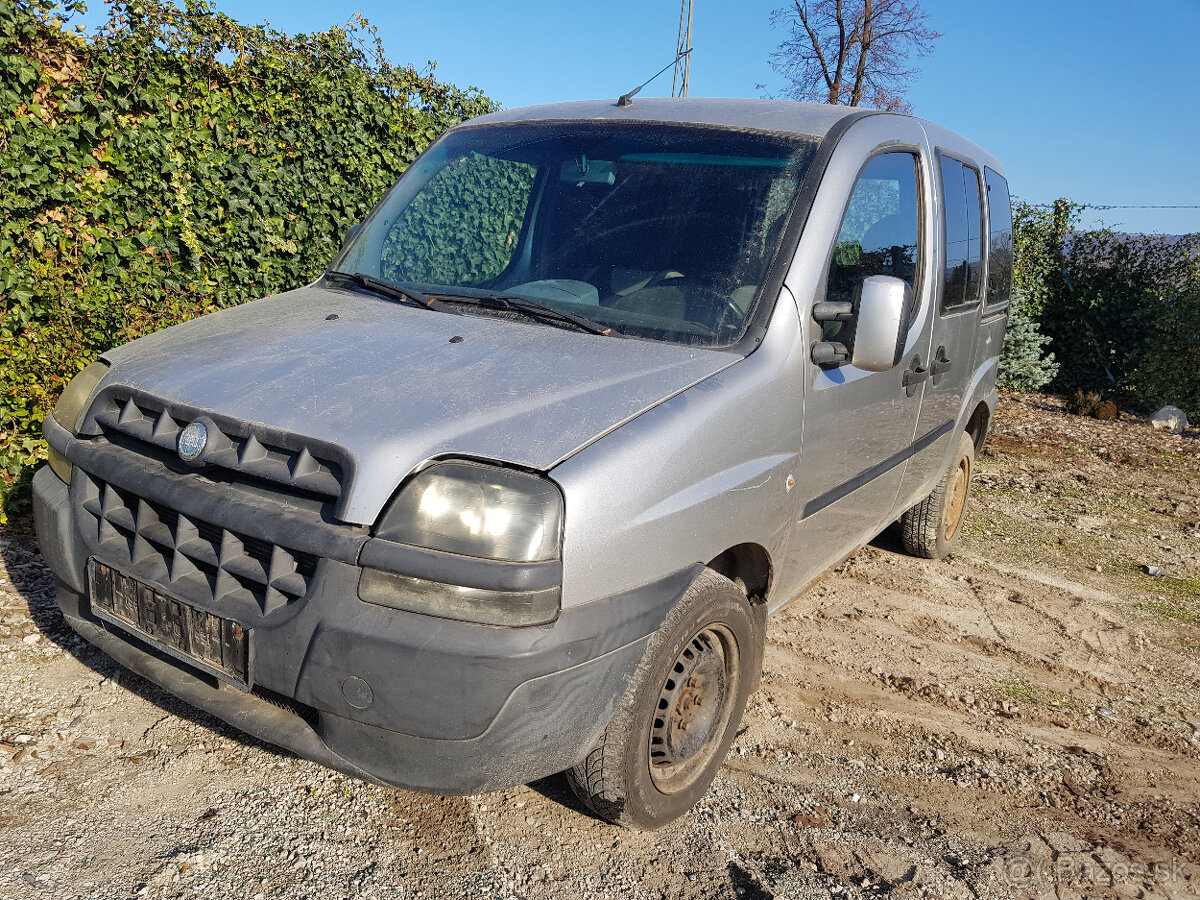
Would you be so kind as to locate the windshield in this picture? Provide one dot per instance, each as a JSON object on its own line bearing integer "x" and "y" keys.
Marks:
{"x": 655, "y": 231}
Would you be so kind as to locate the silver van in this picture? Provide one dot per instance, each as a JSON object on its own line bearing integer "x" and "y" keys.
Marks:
{"x": 514, "y": 486}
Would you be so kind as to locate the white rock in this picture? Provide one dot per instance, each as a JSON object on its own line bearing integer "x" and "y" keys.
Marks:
{"x": 1170, "y": 418}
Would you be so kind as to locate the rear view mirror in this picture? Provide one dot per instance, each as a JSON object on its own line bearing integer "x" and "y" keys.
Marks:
{"x": 588, "y": 171}
{"x": 881, "y": 314}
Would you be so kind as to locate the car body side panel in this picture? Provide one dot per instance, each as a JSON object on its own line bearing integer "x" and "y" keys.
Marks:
{"x": 692, "y": 477}
{"x": 955, "y": 339}
{"x": 937, "y": 459}
{"x": 972, "y": 380}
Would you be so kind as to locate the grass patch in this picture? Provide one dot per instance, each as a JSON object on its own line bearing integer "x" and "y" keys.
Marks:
{"x": 1021, "y": 692}
{"x": 1168, "y": 454}
{"x": 1184, "y": 588}
{"x": 1162, "y": 610}
{"x": 1017, "y": 690}
{"x": 1190, "y": 587}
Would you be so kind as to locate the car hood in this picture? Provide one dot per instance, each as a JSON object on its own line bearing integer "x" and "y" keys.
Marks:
{"x": 396, "y": 385}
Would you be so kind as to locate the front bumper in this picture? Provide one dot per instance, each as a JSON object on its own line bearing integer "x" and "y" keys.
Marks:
{"x": 447, "y": 707}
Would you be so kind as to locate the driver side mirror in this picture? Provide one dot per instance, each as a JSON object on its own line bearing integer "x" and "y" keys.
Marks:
{"x": 881, "y": 315}
{"x": 877, "y": 326}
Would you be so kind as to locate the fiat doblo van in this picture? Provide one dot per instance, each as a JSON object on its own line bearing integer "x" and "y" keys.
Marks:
{"x": 515, "y": 485}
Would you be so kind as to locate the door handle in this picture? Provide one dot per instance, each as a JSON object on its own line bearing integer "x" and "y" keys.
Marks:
{"x": 940, "y": 365}
{"x": 914, "y": 375}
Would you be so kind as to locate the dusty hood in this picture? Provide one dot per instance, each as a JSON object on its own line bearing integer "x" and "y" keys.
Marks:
{"x": 385, "y": 381}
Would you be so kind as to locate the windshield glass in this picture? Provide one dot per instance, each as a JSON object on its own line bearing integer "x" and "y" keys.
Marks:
{"x": 656, "y": 231}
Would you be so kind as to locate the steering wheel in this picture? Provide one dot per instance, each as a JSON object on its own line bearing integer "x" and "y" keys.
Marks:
{"x": 724, "y": 311}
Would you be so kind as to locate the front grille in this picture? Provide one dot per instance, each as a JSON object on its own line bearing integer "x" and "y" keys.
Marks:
{"x": 255, "y": 452}
{"x": 296, "y": 708}
{"x": 195, "y": 558}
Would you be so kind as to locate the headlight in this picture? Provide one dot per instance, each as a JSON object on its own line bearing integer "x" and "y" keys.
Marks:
{"x": 477, "y": 510}
{"x": 462, "y": 538}
{"x": 70, "y": 409}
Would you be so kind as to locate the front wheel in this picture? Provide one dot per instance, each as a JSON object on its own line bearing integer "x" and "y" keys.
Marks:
{"x": 931, "y": 528}
{"x": 663, "y": 746}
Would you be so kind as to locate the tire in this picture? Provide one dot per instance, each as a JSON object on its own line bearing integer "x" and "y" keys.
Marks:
{"x": 931, "y": 528}
{"x": 664, "y": 744}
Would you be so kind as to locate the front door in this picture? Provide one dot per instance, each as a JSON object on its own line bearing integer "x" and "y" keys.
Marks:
{"x": 859, "y": 427}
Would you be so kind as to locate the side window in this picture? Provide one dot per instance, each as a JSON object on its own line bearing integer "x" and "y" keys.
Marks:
{"x": 1000, "y": 240}
{"x": 973, "y": 186}
{"x": 962, "y": 213}
{"x": 484, "y": 201}
{"x": 880, "y": 233}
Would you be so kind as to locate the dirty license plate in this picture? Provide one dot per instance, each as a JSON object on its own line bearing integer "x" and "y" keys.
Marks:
{"x": 216, "y": 645}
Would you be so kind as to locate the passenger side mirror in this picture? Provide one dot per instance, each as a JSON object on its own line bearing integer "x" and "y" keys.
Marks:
{"x": 881, "y": 314}
{"x": 350, "y": 233}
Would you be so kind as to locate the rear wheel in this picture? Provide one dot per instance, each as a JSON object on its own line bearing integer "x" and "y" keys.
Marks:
{"x": 663, "y": 746}
{"x": 931, "y": 528}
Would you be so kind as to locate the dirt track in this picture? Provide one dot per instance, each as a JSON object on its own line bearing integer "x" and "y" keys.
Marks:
{"x": 1021, "y": 721}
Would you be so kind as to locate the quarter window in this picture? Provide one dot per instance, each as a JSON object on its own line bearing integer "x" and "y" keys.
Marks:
{"x": 1000, "y": 239}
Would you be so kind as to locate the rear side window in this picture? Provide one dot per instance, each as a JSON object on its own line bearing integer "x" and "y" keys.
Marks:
{"x": 1000, "y": 240}
{"x": 963, "y": 214}
{"x": 880, "y": 232}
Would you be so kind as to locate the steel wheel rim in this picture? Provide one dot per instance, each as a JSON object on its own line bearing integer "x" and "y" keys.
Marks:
{"x": 958, "y": 497}
{"x": 693, "y": 709}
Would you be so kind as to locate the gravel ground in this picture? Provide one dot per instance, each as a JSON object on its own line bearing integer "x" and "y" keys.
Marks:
{"x": 1020, "y": 721}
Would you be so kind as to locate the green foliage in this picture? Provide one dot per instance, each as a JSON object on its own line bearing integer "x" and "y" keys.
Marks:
{"x": 1120, "y": 310}
{"x": 1025, "y": 365}
{"x": 1167, "y": 372}
{"x": 176, "y": 163}
{"x": 485, "y": 199}
{"x": 1125, "y": 291}
{"x": 1038, "y": 236}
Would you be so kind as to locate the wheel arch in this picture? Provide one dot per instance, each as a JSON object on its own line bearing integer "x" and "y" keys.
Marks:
{"x": 978, "y": 425}
{"x": 748, "y": 566}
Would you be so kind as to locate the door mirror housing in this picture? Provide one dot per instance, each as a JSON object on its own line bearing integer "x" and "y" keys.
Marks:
{"x": 882, "y": 311}
{"x": 350, "y": 233}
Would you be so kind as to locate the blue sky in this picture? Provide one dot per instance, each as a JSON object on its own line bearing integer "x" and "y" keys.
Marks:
{"x": 1093, "y": 100}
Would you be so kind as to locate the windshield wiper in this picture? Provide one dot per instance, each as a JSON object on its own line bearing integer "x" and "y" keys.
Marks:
{"x": 530, "y": 308}
{"x": 487, "y": 301}
{"x": 385, "y": 288}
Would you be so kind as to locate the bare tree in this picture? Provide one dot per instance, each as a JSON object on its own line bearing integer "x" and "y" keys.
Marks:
{"x": 851, "y": 52}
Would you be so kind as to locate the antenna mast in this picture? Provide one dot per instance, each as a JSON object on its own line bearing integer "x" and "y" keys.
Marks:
{"x": 683, "y": 51}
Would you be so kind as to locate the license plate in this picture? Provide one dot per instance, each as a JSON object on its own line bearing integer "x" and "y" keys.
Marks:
{"x": 216, "y": 645}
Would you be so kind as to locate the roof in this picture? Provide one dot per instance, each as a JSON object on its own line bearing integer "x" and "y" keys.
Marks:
{"x": 813, "y": 119}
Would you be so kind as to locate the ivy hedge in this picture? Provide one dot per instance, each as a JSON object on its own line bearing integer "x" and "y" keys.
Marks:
{"x": 173, "y": 163}
{"x": 1104, "y": 312}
